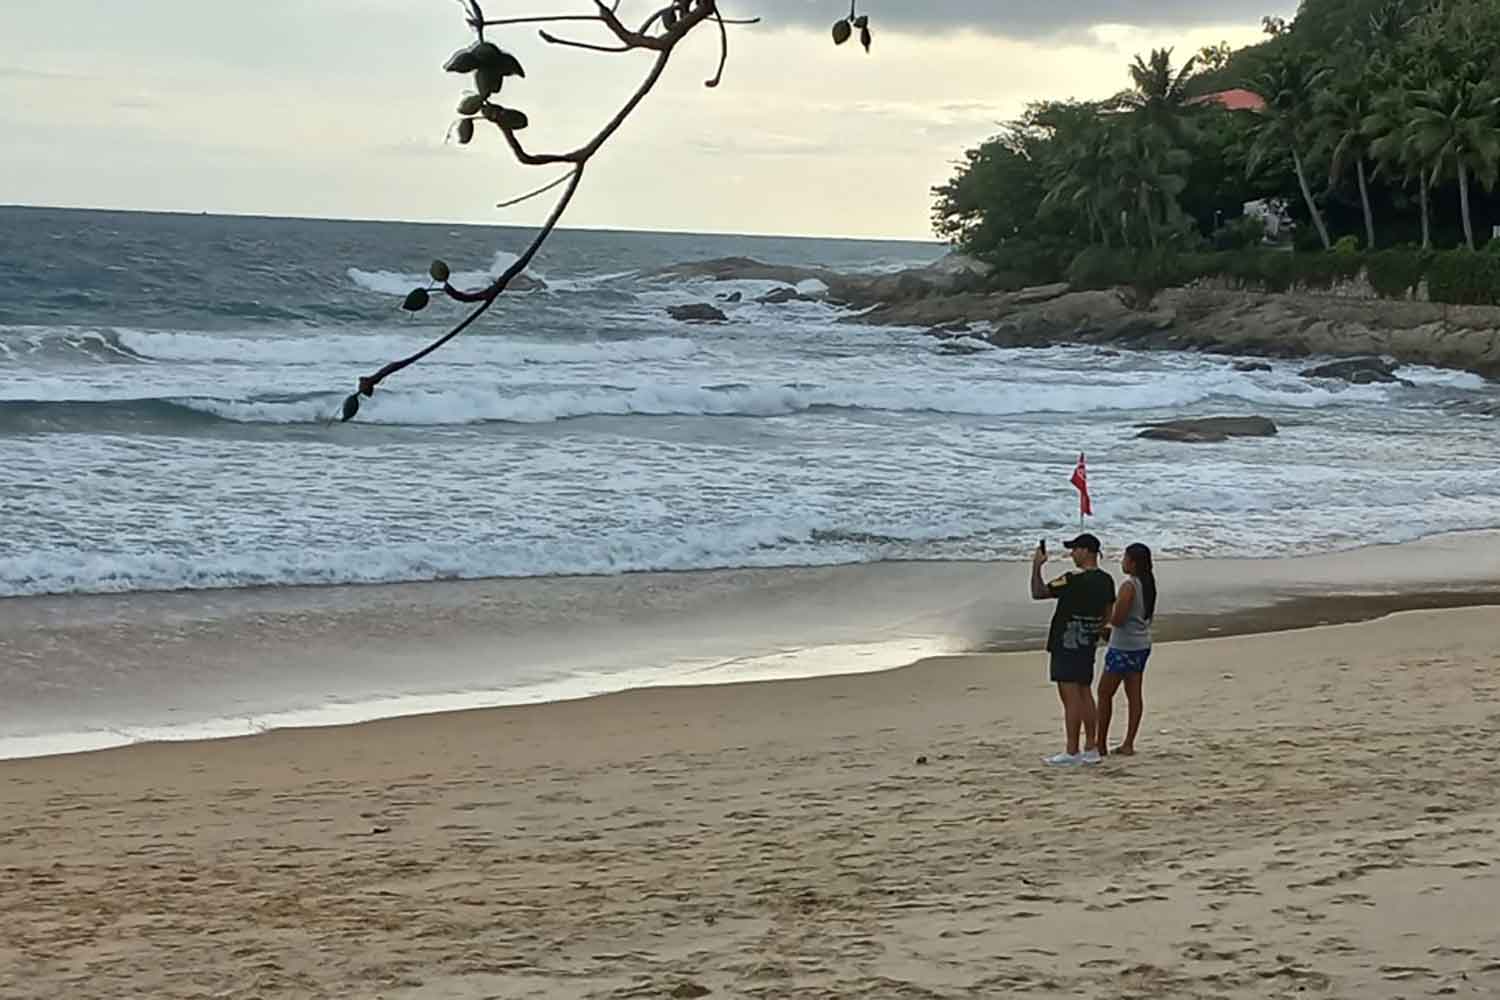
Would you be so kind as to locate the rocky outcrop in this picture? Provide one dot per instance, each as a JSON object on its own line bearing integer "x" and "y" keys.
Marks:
{"x": 1360, "y": 371}
{"x": 1252, "y": 366}
{"x": 950, "y": 294}
{"x": 1038, "y": 293}
{"x": 698, "y": 312}
{"x": 964, "y": 345}
{"x": 742, "y": 269}
{"x": 781, "y": 296}
{"x": 1232, "y": 323}
{"x": 1209, "y": 430}
{"x": 950, "y": 275}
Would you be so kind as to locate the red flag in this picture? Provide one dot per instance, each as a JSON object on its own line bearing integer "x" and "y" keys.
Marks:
{"x": 1081, "y": 481}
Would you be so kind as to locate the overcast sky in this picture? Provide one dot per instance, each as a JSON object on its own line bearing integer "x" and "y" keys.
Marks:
{"x": 338, "y": 108}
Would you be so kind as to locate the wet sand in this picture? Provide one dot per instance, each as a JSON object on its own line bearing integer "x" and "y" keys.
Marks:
{"x": 1314, "y": 812}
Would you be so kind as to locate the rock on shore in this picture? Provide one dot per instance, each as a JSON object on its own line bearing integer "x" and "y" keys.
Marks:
{"x": 1209, "y": 430}
{"x": 698, "y": 312}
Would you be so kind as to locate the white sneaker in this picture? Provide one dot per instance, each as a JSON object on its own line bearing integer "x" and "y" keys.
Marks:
{"x": 1065, "y": 760}
{"x": 1090, "y": 757}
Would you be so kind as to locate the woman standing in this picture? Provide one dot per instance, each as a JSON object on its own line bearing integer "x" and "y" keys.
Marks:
{"x": 1129, "y": 646}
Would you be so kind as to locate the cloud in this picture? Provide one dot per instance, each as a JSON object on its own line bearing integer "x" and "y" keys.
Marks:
{"x": 29, "y": 75}
{"x": 1024, "y": 19}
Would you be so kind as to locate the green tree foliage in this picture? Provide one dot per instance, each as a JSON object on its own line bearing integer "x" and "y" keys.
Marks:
{"x": 1381, "y": 122}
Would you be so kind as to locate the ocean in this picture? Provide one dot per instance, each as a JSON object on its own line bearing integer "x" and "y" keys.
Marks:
{"x": 166, "y": 384}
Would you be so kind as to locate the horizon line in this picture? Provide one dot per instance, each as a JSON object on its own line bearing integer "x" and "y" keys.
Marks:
{"x": 473, "y": 225}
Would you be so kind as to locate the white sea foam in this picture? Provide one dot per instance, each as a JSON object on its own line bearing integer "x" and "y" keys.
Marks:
{"x": 345, "y": 348}
{"x": 386, "y": 282}
{"x": 1253, "y": 527}
{"x": 478, "y": 404}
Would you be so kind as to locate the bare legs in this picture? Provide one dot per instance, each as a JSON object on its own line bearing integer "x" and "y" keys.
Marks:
{"x": 1080, "y": 716}
{"x": 1134, "y": 687}
{"x": 1108, "y": 685}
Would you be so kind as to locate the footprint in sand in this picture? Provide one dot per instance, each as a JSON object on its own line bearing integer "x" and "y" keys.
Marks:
{"x": 1402, "y": 973}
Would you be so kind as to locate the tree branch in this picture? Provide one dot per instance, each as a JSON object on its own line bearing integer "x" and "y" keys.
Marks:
{"x": 486, "y": 298}
{"x": 570, "y": 43}
{"x": 534, "y": 194}
{"x": 718, "y": 76}
{"x": 688, "y": 17}
{"x": 543, "y": 19}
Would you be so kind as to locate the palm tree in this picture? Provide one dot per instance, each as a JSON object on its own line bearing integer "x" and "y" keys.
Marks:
{"x": 1342, "y": 110}
{"x": 1287, "y": 86}
{"x": 1151, "y": 169}
{"x": 1389, "y": 126}
{"x": 1151, "y": 139}
{"x": 1079, "y": 165}
{"x": 1455, "y": 123}
{"x": 1160, "y": 98}
{"x": 1084, "y": 177}
{"x": 1389, "y": 24}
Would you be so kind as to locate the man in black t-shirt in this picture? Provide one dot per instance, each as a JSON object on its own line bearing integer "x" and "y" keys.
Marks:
{"x": 1083, "y": 600}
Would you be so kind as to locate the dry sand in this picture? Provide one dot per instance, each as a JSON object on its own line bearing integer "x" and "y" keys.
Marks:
{"x": 1313, "y": 813}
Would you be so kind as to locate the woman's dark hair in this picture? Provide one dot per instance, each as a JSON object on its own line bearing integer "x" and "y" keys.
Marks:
{"x": 1140, "y": 558}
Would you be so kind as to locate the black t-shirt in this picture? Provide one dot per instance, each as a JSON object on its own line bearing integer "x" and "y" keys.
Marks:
{"x": 1082, "y": 600}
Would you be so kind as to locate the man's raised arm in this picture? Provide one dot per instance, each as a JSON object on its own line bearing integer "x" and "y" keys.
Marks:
{"x": 1039, "y": 589}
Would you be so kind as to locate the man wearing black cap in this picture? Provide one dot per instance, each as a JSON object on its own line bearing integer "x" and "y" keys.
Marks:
{"x": 1083, "y": 600}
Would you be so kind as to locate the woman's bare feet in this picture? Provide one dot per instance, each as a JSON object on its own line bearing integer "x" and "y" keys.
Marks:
{"x": 1124, "y": 751}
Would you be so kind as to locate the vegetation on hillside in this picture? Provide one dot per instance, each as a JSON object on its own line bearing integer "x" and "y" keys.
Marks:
{"x": 1380, "y": 128}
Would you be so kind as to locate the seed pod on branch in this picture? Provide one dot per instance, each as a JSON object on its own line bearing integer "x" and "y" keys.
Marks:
{"x": 462, "y": 61}
{"x": 841, "y": 32}
{"x": 488, "y": 80}
{"x": 507, "y": 118}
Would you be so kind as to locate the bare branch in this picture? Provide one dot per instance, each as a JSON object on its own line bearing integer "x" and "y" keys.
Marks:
{"x": 537, "y": 159}
{"x": 543, "y": 19}
{"x": 534, "y": 194}
{"x": 570, "y": 43}
{"x": 718, "y": 76}
{"x": 654, "y": 18}
{"x": 636, "y": 39}
{"x": 486, "y": 298}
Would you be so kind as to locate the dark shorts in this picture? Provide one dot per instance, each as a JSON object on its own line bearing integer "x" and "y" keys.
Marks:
{"x": 1073, "y": 667}
{"x": 1126, "y": 661}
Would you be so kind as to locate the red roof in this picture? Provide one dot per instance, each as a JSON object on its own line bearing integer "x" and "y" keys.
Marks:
{"x": 1235, "y": 100}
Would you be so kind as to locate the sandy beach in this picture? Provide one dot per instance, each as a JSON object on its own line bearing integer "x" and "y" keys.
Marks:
{"x": 1314, "y": 812}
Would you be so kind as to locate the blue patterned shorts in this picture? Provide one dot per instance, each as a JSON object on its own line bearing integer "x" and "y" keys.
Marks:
{"x": 1126, "y": 661}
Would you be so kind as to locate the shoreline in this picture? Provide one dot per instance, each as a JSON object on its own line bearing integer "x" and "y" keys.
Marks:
{"x": 882, "y": 836}
{"x": 188, "y": 666}
{"x": 1295, "y": 615}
